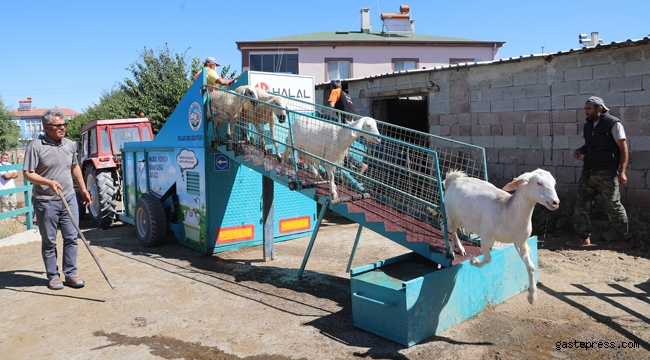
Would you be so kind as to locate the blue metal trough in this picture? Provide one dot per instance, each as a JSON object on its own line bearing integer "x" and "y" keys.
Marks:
{"x": 408, "y": 298}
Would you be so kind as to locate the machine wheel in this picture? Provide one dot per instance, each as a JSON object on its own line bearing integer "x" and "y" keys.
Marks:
{"x": 82, "y": 208}
{"x": 102, "y": 191}
{"x": 150, "y": 221}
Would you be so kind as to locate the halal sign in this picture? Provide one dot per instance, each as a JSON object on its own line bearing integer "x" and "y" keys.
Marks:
{"x": 263, "y": 86}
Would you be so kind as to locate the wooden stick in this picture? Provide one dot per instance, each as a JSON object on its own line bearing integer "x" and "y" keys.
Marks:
{"x": 83, "y": 238}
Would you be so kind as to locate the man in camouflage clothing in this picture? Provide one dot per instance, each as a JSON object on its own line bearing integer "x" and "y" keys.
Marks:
{"x": 605, "y": 161}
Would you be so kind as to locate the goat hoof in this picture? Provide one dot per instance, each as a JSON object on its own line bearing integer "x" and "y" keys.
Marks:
{"x": 474, "y": 261}
{"x": 532, "y": 298}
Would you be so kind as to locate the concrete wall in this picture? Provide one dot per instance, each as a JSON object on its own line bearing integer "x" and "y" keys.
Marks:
{"x": 528, "y": 113}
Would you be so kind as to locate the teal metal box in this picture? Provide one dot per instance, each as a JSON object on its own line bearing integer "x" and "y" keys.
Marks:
{"x": 219, "y": 202}
{"x": 407, "y": 299}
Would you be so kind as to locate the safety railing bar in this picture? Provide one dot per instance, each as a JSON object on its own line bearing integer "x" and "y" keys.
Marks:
{"x": 434, "y": 145}
{"x": 15, "y": 190}
{"x": 393, "y": 166}
{"x": 396, "y": 166}
{"x": 381, "y": 122}
{"x": 420, "y": 175}
{"x": 397, "y": 141}
{"x": 380, "y": 136}
{"x": 381, "y": 184}
{"x": 342, "y": 168}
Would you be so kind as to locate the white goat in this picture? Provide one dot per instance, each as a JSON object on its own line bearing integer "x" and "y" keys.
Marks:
{"x": 226, "y": 105}
{"x": 260, "y": 114}
{"x": 495, "y": 215}
{"x": 327, "y": 141}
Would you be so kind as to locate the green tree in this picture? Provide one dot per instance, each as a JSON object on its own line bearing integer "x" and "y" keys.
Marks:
{"x": 9, "y": 131}
{"x": 233, "y": 75}
{"x": 112, "y": 105}
{"x": 159, "y": 81}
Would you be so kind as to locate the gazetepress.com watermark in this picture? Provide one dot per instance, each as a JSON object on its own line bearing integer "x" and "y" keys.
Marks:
{"x": 575, "y": 344}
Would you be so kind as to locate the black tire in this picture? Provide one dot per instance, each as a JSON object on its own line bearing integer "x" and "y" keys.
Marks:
{"x": 102, "y": 208}
{"x": 82, "y": 208}
{"x": 150, "y": 221}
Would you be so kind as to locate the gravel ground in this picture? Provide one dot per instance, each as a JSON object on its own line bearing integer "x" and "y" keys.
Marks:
{"x": 171, "y": 302}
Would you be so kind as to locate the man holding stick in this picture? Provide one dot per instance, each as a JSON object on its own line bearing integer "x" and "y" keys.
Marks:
{"x": 50, "y": 164}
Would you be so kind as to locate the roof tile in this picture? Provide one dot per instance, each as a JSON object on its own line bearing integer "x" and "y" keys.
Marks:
{"x": 37, "y": 112}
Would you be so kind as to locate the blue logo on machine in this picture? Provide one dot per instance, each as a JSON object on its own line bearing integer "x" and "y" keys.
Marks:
{"x": 221, "y": 162}
{"x": 195, "y": 116}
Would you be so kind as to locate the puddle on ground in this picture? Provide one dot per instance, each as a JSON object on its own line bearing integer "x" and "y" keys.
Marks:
{"x": 170, "y": 348}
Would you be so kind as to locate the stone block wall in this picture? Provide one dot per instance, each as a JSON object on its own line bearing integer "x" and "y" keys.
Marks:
{"x": 528, "y": 113}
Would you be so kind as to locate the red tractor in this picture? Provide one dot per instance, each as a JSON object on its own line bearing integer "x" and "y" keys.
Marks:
{"x": 100, "y": 159}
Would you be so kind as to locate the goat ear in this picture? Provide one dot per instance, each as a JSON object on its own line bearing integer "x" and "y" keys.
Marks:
{"x": 358, "y": 125}
{"x": 515, "y": 184}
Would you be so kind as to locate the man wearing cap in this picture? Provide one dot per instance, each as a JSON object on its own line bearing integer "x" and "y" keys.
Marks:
{"x": 605, "y": 161}
{"x": 211, "y": 76}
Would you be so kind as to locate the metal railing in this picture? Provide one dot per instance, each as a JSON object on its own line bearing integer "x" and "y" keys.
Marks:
{"x": 405, "y": 170}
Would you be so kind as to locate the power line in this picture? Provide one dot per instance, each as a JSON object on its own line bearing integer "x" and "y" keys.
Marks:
{"x": 53, "y": 88}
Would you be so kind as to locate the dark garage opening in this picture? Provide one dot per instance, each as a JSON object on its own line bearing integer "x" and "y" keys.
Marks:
{"x": 409, "y": 112}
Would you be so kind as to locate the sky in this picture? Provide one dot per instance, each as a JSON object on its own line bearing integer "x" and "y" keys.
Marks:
{"x": 67, "y": 53}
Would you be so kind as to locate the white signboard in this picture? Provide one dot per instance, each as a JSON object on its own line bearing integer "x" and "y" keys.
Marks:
{"x": 300, "y": 87}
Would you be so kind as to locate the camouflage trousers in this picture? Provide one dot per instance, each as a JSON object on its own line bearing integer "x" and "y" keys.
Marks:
{"x": 605, "y": 184}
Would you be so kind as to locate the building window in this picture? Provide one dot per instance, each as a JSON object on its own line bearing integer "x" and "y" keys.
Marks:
{"x": 460, "y": 61}
{"x": 33, "y": 127}
{"x": 338, "y": 69}
{"x": 286, "y": 63}
{"x": 405, "y": 64}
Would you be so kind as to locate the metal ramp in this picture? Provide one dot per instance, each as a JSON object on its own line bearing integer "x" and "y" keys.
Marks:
{"x": 399, "y": 196}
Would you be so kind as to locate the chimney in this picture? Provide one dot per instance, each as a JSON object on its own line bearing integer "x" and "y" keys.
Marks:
{"x": 365, "y": 20}
{"x": 595, "y": 40}
{"x": 25, "y": 105}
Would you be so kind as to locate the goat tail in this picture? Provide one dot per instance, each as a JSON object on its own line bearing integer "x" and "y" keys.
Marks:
{"x": 451, "y": 176}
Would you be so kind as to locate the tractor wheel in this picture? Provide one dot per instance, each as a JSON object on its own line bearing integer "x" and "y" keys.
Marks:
{"x": 102, "y": 192}
{"x": 150, "y": 221}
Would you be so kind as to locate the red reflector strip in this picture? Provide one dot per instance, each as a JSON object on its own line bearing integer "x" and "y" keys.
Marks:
{"x": 235, "y": 233}
{"x": 294, "y": 224}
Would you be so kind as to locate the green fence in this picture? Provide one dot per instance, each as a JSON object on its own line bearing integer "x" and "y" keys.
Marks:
{"x": 26, "y": 189}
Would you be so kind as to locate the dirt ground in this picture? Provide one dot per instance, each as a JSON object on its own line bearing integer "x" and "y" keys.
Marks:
{"x": 171, "y": 302}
